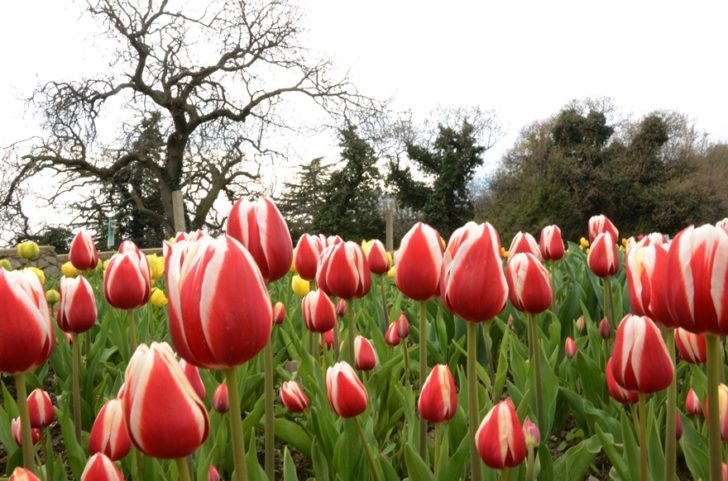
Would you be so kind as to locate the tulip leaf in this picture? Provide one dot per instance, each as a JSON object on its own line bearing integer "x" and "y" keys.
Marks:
{"x": 574, "y": 463}
{"x": 320, "y": 462}
{"x": 502, "y": 371}
{"x": 458, "y": 464}
{"x": 631, "y": 450}
{"x": 695, "y": 449}
{"x": 289, "y": 469}
{"x": 294, "y": 435}
{"x": 608, "y": 445}
{"x": 76, "y": 456}
{"x": 417, "y": 470}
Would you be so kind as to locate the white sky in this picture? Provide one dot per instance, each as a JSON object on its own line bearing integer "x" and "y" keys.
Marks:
{"x": 522, "y": 59}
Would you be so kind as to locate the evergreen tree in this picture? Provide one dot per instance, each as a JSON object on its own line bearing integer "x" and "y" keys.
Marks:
{"x": 303, "y": 199}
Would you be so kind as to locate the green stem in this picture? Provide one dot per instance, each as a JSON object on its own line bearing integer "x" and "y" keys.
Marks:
{"x": 182, "y": 469}
{"x": 405, "y": 355}
{"x": 367, "y": 449}
{"x": 139, "y": 459}
{"x": 608, "y": 303}
{"x": 241, "y": 473}
{"x": 670, "y": 439}
{"x": 437, "y": 448}
{"x": 28, "y": 460}
{"x": 132, "y": 331}
{"x": 643, "y": 438}
{"x": 714, "y": 367}
{"x": 76, "y": 384}
{"x": 269, "y": 418}
{"x": 553, "y": 284}
{"x": 505, "y": 474}
{"x": 337, "y": 347}
{"x": 473, "y": 400}
{"x": 530, "y": 459}
{"x": 384, "y": 301}
{"x": 423, "y": 374}
{"x": 536, "y": 352}
{"x": 489, "y": 357}
{"x": 351, "y": 327}
{"x": 48, "y": 446}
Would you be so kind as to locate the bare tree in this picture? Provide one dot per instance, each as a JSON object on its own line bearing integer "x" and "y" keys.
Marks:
{"x": 217, "y": 76}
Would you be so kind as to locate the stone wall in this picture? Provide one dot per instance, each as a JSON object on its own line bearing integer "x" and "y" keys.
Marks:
{"x": 48, "y": 260}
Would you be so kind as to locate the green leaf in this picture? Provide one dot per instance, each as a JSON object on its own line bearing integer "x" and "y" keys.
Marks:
{"x": 289, "y": 469}
{"x": 294, "y": 435}
{"x": 76, "y": 455}
{"x": 417, "y": 470}
{"x": 574, "y": 463}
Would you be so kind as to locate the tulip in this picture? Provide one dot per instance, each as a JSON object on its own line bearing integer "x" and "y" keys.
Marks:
{"x": 308, "y": 251}
{"x": 691, "y": 347}
{"x": 722, "y": 224}
{"x": 158, "y": 298}
{"x": 220, "y": 401}
{"x": 391, "y": 336}
{"x": 193, "y": 376}
{"x": 570, "y": 347}
{"x": 77, "y": 311}
{"x": 166, "y": 418}
{"x": 678, "y": 426}
{"x": 293, "y": 397}
{"x": 193, "y": 236}
{"x": 531, "y": 434}
{"x": 156, "y": 266}
{"x": 580, "y": 324}
{"x": 419, "y": 261}
{"x": 376, "y": 256}
{"x": 500, "y": 440}
{"x": 622, "y": 395}
{"x": 127, "y": 282}
{"x": 346, "y": 393}
{"x": 692, "y": 404}
{"x": 603, "y": 259}
{"x": 28, "y": 250}
{"x": 551, "y": 244}
{"x": 16, "y": 428}
{"x": 68, "y": 270}
{"x": 40, "y": 408}
{"x": 599, "y": 224}
{"x": 39, "y": 273}
{"x": 109, "y": 433}
{"x": 52, "y": 297}
{"x": 212, "y": 474}
{"x": 640, "y": 266}
{"x": 300, "y": 286}
{"x": 641, "y": 361}
{"x": 343, "y": 271}
{"x": 279, "y": 313}
{"x": 403, "y": 326}
{"x": 101, "y": 468}
{"x": 5, "y": 264}
{"x": 528, "y": 284}
{"x": 21, "y": 474}
{"x": 523, "y": 242}
{"x": 341, "y": 308}
{"x": 327, "y": 339}
{"x": 319, "y": 314}
{"x": 82, "y": 253}
{"x": 260, "y": 227}
{"x": 365, "y": 357}
{"x": 438, "y": 399}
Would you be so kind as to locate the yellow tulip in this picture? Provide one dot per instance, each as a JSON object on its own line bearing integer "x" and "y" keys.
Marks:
{"x": 158, "y": 297}
{"x": 366, "y": 246}
{"x": 300, "y": 286}
{"x": 583, "y": 243}
{"x": 5, "y": 264}
{"x": 52, "y": 296}
{"x": 39, "y": 273}
{"x": 156, "y": 266}
{"x": 504, "y": 252}
{"x": 68, "y": 270}
{"x": 392, "y": 271}
{"x": 390, "y": 258}
{"x": 100, "y": 265}
{"x": 28, "y": 250}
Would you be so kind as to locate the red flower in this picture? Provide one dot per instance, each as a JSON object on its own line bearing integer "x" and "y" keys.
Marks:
{"x": 318, "y": 311}
{"x": 605, "y": 329}
{"x": 212, "y": 474}
{"x": 15, "y": 430}
{"x": 500, "y": 440}
{"x": 692, "y": 404}
{"x": 101, "y": 468}
{"x": 691, "y": 347}
{"x": 640, "y": 359}
{"x": 22, "y": 474}
{"x": 166, "y": 418}
{"x": 391, "y": 337}
{"x": 365, "y": 357}
{"x": 40, "y": 408}
{"x": 347, "y": 395}
{"x": 603, "y": 259}
{"x": 279, "y": 313}
{"x": 82, "y": 253}
{"x": 570, "y": 347}
{"x": 523, "y": 242}
{"x": 528, "y": 283}
{"x": 343, "y": 271}
{"x": 193, "y": 376}
{"x": 640, "y": 266}
{"x": 599, "y": 224}
{"x": 418, "y": 262}
{"x": 260, "y": 227}
{"x": 308, "y": 251}
{"x": 219, "y": 310}
{"x": 473, "y": 285}
{"x": 293, "y": 397}
{"x": 550, "y": 243}
{"x": 126, "y": 278}
{"x": 403, "y": 326}
{"x": 625, "y": 396}
{"x": 220, "y": 399}
{"x": 439, "y": 398}
{"x": 109, "y": 434}
{"x": 377, "y": 257}
{"x": 77, "y": 308}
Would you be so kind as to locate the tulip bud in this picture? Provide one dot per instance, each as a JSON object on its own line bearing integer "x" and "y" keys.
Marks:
{"x": 523, "y": 242}
{"x": 327, "y": 339}
{"x": 220, "y": 400}
{"x": 158, "y": 298}
{"x": 22, "y": 474}
{"x": 392, "y": 272}
{"x": 193, "y": 376}
{"x": 365, "y": 357}
{"x": 28, "y": 250}
{"x": 551, "y": 244}
{"x": 500, "y": 440}
{"x": 27, "y": 333}
{"x": 220, "y": 314}
{"x": 603, "y": 258}
{"x": 341, "y": 308}
{"x": 127, "y": 283}
{"x": 376, "y": 256}
{"x": 528, "y": 284}
{"x": 193, "y": 236}
{"x": 391, "y": 337}
{"x": 599, "y": 224}
{"x": 473, "y": 285}
{"x": 403, "y": 326}
{"x": 299, "y": 286}
{"x": 531, "y": 434}
{"x": 678, "y": 426}
{"x": 279, "y": 313}
{"x": 101, "y": 468}
{"x": 722, "y": 410}
{"x": 438, "y": 399}
{"x": 318, "y": 311}
{"x": 260, "y": 227}
{"x": 583, "y": 243}
{"x": 77, "y": 310}
{"x": 343, "y": 271}
{"x": 419, "y": 261}
{"x": 346, "y": 393}
{"x": 68, "y": 270}
{"x": 692, "y": 404}
{"x": 605, "y": 329}
{"x": 640, "y": 359}
{"x": 580, "y": 324}
{"x": 17, "y": 433}
{"x": 52, "y": 297}
{"x": 109, "y": 434}
{"x": 293, "y": 397}
{"x": 305, "y": 260}
{"x": 622, "y": 395}
{"x": 166, "y": 418}
{"x": 82, "y": 253}
{"x": 212, "y": 474}
{"x": 643, "y": 275}
{"x": 5, "y": 264}
{"x": 156, "y": 266}
{"x": 40, "y": 408}
{"x": 691, "y": 347}
{"x": 570, "y": 347}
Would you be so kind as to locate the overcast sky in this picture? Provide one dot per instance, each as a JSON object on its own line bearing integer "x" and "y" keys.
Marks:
{"x": 524, "y": 60}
